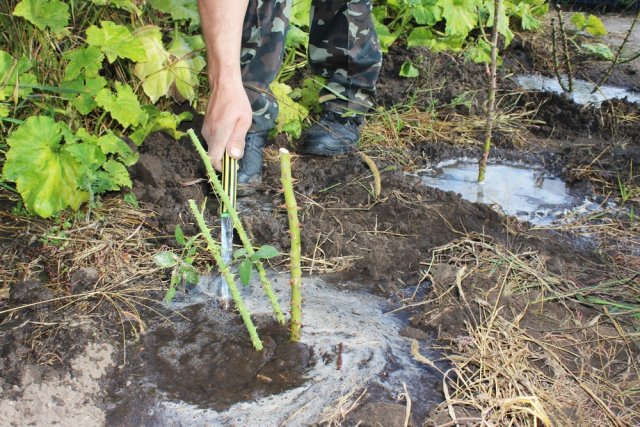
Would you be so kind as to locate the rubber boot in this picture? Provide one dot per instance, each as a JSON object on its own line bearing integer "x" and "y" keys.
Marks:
{"x": 332, "y": 135}
{"x": 250, "y": 166}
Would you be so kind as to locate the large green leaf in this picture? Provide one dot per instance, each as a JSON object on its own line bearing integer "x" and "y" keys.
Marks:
{"x": 188, "y": 65}
{"x": 461, "y": 16}
{"x": 172, "y": 72}
{"x": 45, "y": 172}
{"x": 180, "y": 10}
{"x": 427, "y": 13}
{"x": 52, "y": 14}
{"x": 116, "y": 41}
{"x": 123, "y": 106}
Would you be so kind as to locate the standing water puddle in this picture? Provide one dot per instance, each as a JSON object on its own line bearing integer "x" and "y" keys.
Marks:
{"x": 528, "y": 193}
{"x": 203, "y": 371}
{"x": 581, "y": 89}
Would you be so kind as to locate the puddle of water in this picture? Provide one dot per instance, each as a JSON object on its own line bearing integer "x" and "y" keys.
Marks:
{"x": 527, "y": 193}
{"x": 581, "y": 89}
{"x": 353, "y": 344}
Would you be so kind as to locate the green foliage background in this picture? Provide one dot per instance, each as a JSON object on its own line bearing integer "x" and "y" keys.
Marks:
{"x": 82, "y": 81}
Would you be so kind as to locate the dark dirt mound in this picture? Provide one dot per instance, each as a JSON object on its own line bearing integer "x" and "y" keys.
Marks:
{"x": 205, "y": 358}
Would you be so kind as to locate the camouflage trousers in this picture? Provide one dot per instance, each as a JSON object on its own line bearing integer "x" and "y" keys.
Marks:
{"x": 343, "y": 48}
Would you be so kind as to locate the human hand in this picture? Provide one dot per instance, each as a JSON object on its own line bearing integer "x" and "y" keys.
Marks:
{"x": 227, "y": 121}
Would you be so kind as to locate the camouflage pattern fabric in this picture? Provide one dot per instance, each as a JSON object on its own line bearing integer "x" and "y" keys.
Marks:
{"x": 343, "y": 47}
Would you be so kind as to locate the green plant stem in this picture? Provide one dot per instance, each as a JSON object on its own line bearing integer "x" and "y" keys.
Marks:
{"x": 491, "y": 102}
{"x": 294, "y": 231}
{"x": 616, "y": 58}
{"x": 214, "y": 250}
{"x": 217, "y": 187}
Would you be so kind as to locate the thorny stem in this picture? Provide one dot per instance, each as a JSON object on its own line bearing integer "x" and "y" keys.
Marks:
{"x": 294, "y": 230}
{"x": 554, "y": 49}
{"x": 565, "y": 43}
{"x": 246, "y": 243}
{"x": 616, "y": 58}
{"x": 491, "y": 102}
{"x": 214, "y": 250}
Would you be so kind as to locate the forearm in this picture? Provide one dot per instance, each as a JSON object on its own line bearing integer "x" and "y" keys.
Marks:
{"x": 222, "y": 22}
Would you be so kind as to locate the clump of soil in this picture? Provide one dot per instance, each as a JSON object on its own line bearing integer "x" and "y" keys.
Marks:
{"x": 205, "y": 358}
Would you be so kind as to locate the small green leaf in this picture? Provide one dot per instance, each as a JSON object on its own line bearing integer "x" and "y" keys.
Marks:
{"x": 157, "y": 121}
{"x": 124, "y": 106}
{"x": 116, "y": 41}
{"x": 385, "y": 37}
{"x": 579, "y": 20}
{"x": 599, "y": 50}
{"x": 296, "y": 38}
{"x": 239, "y": 253}
{"x": 118, "y": 174}
{"x": 180, "y": 10}
{"x": 245, "y": 271}
{"x": 87, "y": 61}
{"x": 86, "y": 88}
{"x": 169, "y": 72}
{"x": 53, "y": 14}
{"x": 180, "y": 235}
{"x": 291, "y": 113}
{"x": 190, "y": 242}
{"x": 409, "y": 70}
{"x": 171, "y": 293}
{"x": 13, "y": 76}
{"x": 265, "y": 252}
{"x": 595, "y": 26}
{"x": 131, "y": 199}
{"x": 165, "y": 259}
{"x": 190, "y": 274}
{"x": 111, "y": 144}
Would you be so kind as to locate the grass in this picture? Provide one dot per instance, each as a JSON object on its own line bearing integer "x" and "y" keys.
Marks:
{"x": 535, "y": 349}
{"x": 115, "y": 240}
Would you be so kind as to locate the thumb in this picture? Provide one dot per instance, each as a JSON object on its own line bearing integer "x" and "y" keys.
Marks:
{"x": 236, "y": 142}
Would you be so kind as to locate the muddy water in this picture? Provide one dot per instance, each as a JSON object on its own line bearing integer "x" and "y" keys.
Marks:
{"x": 528, "y": 193}
{"x": 581, "y": 89}
{"x": 204, "y": 372}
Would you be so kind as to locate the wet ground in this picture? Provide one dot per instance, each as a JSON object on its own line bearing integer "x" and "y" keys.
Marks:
{"x": 201, "y": 369}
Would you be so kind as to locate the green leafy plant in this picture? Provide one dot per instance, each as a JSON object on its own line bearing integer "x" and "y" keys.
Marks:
{"x": 246, "y": 262}
{"x": 452, "y": 25}
{"x": 408, "y": 69}
{"x": 590, "y": 24}
{"x": 182, "y": 269}
{"x": 71, "y": 103}
{"x": 54, "y": 168}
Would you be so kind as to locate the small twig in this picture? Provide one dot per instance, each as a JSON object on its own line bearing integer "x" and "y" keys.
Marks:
{"x": 616, "y": 57}
{"x": 377, "y": 181}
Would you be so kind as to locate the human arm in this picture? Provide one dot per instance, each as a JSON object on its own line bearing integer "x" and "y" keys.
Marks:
{"x": 228, "y": 116}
